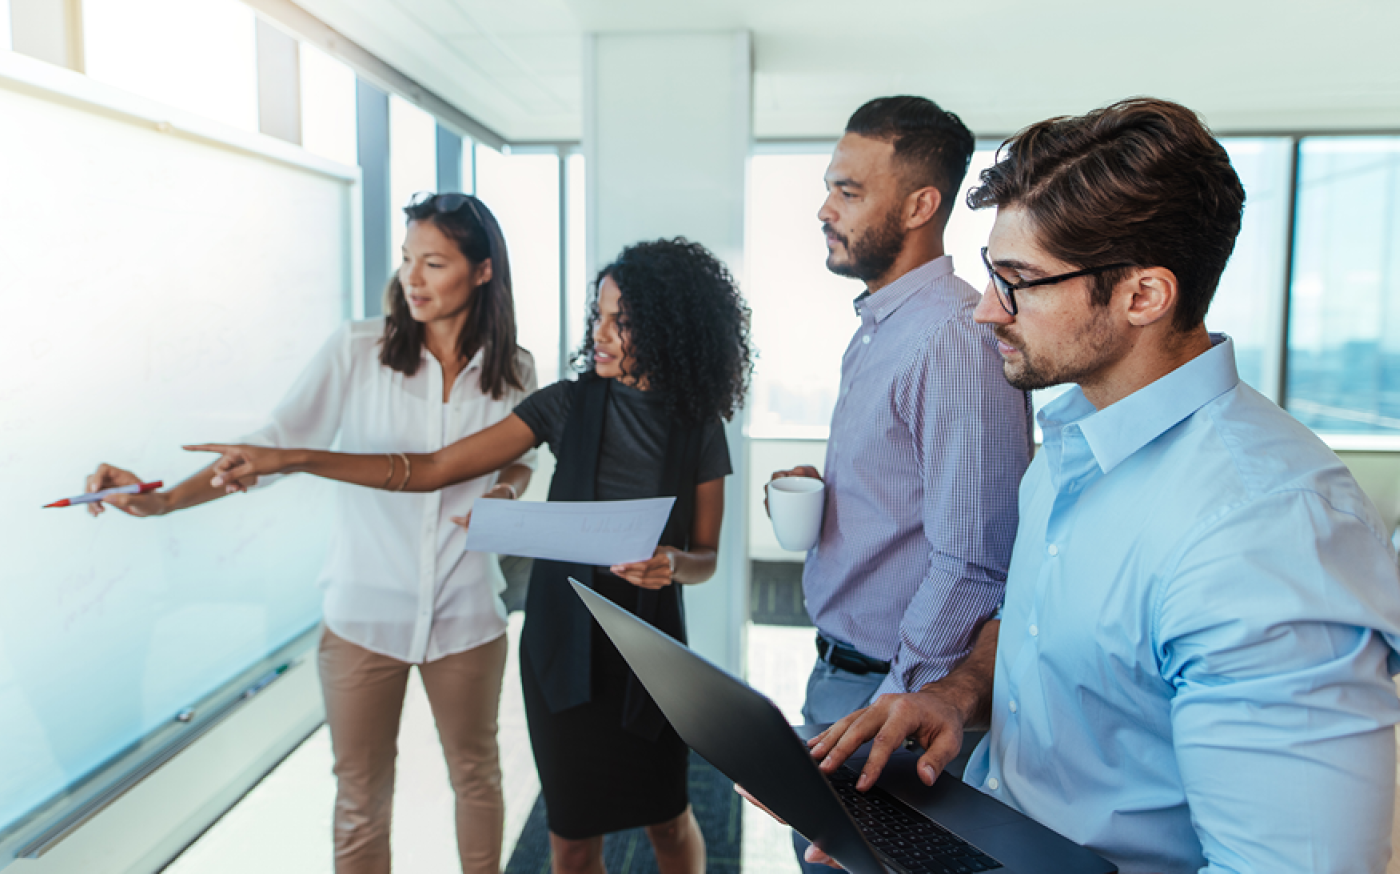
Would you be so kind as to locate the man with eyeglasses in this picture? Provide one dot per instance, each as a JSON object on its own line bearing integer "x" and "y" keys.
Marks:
{"x": 1192, "y": 670}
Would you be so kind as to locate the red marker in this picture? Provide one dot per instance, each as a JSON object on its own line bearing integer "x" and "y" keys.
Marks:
{"x": 133, "y": 489}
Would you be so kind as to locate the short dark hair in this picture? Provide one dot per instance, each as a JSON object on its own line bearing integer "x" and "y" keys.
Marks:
{"x": 932, "y": 144}
{"x": 1141, "y": 181}
{"x": 687, "y": 328}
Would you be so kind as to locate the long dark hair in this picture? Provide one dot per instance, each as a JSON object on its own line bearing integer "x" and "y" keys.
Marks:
{"x": 687, "y": 327}
{"x": 490, "y": 324}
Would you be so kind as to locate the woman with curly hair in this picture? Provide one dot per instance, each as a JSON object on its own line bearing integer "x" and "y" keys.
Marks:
{"x": 666, "y": 359}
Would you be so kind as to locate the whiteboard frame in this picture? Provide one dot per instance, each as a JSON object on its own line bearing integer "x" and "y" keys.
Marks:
{"x": 152, "y": 820}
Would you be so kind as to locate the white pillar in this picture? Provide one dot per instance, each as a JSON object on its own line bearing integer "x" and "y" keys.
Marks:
{"x": 666, "y": 136}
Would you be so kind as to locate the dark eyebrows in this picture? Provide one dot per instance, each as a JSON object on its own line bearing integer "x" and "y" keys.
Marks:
{"x": 1018, "y": 266}
{"x": 842, "y": 182}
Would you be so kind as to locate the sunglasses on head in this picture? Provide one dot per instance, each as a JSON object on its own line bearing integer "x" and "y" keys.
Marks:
{"x": 426, "y": 203}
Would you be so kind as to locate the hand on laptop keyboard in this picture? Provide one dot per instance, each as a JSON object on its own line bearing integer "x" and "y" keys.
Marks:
{"x": 930, "y": 718}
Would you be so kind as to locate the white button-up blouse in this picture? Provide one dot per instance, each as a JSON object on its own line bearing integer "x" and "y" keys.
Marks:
{"x": 396, "y": 579}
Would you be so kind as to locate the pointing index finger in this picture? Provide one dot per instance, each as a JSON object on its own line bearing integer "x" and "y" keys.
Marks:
{"x": 206, "y": 447}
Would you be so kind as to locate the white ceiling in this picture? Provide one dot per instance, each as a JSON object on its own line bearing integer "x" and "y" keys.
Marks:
{"x": 1247, "y": 65}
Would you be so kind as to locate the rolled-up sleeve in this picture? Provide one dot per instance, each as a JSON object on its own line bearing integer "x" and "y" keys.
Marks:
{"x": 971, "y": 438}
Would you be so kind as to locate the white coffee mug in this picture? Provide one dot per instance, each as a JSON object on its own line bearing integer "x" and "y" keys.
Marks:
{"x": 795, "y": 504}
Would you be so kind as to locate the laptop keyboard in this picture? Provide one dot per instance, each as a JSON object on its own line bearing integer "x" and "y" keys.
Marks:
{"x": 905, "y": 837}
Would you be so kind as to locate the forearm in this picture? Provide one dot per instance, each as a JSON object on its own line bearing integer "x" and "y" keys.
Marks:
{"x": 968, "y": 687}
{"x": 194, "y": 490}
{"x": 694, "y": 566}
{"x": 941, "y": 621}
{"x": 392, "y": 471}
{"x": 517, "y": 476}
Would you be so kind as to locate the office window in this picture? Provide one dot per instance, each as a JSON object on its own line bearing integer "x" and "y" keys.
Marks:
{"x": 798, "y": 371}
{"x": 522, "y": 189}
{"x": 412, "y": 164}
{"x": 576, "y": 252}
{"x": 1248, "y": 304}
{"x": 198, "y": 56}
{"x": 1344, "y": 303}
{"x": 327, "y": 106}
{"x": 798, "y": 368}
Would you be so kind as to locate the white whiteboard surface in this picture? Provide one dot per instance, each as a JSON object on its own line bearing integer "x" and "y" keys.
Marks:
{"x": 162, "y": 281}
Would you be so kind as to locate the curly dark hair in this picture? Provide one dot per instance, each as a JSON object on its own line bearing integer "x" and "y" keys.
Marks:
{"x": 687, "y": 327}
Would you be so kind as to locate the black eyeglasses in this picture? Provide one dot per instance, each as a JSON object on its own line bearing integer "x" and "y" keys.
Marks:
{"x": 1006, "y": 291}
{"x": 427, "y": 203}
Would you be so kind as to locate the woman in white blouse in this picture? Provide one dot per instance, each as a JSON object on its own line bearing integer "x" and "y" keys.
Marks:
{"x": 399, "y": 589}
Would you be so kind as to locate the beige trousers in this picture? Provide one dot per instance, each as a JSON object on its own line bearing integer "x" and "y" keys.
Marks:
{"x": 364, "y": 694}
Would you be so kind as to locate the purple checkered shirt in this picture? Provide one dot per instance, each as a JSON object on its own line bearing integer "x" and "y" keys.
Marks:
{"x": 928, "y": 444}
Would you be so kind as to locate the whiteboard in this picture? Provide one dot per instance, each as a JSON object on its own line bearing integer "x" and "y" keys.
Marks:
{"x": 162, "y": 281}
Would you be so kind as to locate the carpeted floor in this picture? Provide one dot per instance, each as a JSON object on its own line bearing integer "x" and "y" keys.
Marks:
{"x": 717, "y": 807}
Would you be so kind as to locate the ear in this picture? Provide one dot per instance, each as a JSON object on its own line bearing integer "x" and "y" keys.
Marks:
{"x": 1151, "y": 296}
{"x": 921, "y": 206}
{"x": 484, "y": 273}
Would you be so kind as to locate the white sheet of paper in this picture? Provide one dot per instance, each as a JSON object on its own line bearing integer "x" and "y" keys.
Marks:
{"x": 602, "y": 533}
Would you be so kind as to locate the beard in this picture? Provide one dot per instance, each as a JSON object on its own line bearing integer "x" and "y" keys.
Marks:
{"x": 1095, "y": 347}
{"x": 873, "y": 253}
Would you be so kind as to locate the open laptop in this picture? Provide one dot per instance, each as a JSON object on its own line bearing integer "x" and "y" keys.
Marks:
{"x": 900, "y": 825}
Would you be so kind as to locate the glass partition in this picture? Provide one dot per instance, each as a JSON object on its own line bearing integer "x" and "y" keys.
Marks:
{"x": 577, "y": 281}
{"x": 1248, "y": 305}
{"x": 412, "y": 164}
{"x": 327, "y": 106}
{"x": 523, "y": 191}
{"x": 1344, "y": 316}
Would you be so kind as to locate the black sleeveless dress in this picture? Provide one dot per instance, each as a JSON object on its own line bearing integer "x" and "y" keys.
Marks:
{"x": 607, "y": 758}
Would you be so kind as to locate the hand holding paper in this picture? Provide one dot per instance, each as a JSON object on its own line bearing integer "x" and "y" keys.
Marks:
{"x": 600, "y": 533}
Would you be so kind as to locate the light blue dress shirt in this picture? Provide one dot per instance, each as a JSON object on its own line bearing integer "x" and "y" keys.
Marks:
{"x": 1200, "y": 628}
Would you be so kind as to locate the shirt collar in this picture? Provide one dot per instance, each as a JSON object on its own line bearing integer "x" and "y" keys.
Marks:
{"x": 882, "y": 303}
{"x": 478, "y": 357}
{"x": 1121, "y": 429}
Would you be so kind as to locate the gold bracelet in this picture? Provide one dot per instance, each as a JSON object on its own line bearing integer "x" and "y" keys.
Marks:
{"x": 389, "y": 477}
{"x": 407, "y": 471}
